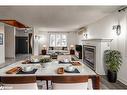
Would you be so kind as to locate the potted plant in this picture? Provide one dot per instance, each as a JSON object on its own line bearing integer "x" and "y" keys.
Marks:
{"x": 44, "y": 61}
{"x": 113, "y": 60}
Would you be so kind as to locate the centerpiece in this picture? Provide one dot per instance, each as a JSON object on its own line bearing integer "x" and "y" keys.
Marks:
{"x": 44, "y": 61}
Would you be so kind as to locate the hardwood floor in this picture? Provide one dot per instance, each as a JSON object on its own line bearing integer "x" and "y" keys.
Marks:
{"x": 107, "y": 85}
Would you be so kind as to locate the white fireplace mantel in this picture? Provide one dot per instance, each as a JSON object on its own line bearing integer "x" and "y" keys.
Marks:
{"x": 103, "y": 40}
{"x": 101, "y": 45}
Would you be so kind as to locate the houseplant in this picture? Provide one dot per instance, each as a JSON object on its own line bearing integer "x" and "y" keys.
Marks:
{"x": 44, "y": 61}
{"x": 113, "y": 60}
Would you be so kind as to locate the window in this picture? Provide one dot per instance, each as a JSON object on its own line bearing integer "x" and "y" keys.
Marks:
{"x": 58, "y": 40}
{"x": 64, "y": 40}
{"x": 52, "y": 40}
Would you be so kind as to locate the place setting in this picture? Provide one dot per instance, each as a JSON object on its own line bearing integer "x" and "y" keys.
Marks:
{"x": 31, "y": 61}
{"x": 22, "y": 70}
{"x": 67, "y": 69}
{"x": 71, "y": 69}
{"x": 65, "y": 61}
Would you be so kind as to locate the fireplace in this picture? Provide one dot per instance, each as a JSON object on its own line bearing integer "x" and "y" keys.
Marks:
{"x": 89, "y": 53}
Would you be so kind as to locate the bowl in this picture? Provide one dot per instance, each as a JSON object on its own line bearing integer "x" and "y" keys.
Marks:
{"x": 35, "y": 60}
{"x": 70, "y": 68}
{"x": 27, "y": 69}
{"x": 66, "y": 60}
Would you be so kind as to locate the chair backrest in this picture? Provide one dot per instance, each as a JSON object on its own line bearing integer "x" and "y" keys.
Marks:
{"x": 63, "y": 57}
{"x": 20, "y": 82}
{"x": 70, "y": 82}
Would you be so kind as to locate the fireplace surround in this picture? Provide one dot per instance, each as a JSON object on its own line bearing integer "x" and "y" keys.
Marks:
{"x": 93, "y": 54}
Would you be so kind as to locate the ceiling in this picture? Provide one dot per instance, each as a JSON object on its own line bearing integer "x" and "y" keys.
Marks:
{"x": 56, "y": 18}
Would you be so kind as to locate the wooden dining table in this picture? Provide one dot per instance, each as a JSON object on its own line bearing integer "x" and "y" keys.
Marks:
{"x": 50, "y": 71}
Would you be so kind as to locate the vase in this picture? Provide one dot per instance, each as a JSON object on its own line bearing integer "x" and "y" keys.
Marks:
{"x": 112, "y": 76}
{"x": 43, "y": 65}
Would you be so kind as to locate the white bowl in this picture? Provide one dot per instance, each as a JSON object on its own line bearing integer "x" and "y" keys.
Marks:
{"x": 66, "y": 60}
{"x": 27, "y": 69}
{"x": 70, "y": 68}
{"x": 34, "y": 60}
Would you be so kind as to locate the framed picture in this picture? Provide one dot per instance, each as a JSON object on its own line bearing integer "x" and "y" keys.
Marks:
{"x": 1, "y": 39}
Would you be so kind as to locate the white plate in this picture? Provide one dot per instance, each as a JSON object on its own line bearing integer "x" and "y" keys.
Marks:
{"x": 69, "y": 70}
{"x": 28, "y": 71}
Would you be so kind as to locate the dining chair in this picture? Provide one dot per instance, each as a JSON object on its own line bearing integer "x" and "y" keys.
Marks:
{"x": 63, "y": 57}
{"x": 71, "y": 82}
{"x": 47, "y": 79}
{"x": 20, "y": 82}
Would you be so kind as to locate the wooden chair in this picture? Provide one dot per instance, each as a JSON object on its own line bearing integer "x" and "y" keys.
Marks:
{"x": 20, "y": 82}
{"x": 70, "y": 82}
{"x": 46, "y": 78}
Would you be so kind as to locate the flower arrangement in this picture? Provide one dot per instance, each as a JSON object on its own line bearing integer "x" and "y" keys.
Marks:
{"x": 45, "y": 60}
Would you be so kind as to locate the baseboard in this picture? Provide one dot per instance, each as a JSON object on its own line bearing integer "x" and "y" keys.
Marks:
{"x": 123, "y": 81}
{"x": 9, "y": 57}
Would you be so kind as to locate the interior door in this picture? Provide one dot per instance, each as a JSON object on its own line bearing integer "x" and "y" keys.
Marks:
{"x": 21, "y": 45}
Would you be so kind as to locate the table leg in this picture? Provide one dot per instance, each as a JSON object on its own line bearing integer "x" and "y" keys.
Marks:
{"x": 96, "y": 81}
{"x": 47, "y": 84}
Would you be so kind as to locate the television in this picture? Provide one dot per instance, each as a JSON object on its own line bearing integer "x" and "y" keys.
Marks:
{"x": 78, "y": 48}
{"x": 78, "y": 52}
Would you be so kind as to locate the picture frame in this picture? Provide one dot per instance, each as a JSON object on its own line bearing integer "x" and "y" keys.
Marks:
{"x": 1, "y": 39}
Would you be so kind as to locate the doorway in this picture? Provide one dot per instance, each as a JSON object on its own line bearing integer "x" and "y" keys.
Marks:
{"x": 21, "y": 45}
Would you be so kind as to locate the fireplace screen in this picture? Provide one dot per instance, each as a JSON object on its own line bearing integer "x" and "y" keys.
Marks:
{"x": 89, "y": 56}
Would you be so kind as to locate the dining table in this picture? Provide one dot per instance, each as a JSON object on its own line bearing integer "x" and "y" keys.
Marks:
{"x": 50, "y": 71}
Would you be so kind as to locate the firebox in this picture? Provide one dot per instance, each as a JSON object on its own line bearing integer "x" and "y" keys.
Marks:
{"x": 89, "y": 53}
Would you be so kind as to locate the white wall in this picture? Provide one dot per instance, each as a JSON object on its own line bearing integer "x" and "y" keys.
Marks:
{"x": 36, "y": 42}
{"x": 21, "y": 33}
{"x": 43, "y": 40}
{"x": 9, "y": 41}
{"x": 2, "y": 50}
{"x": 72, "y": 38}
{"x": 103, "y": 29}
